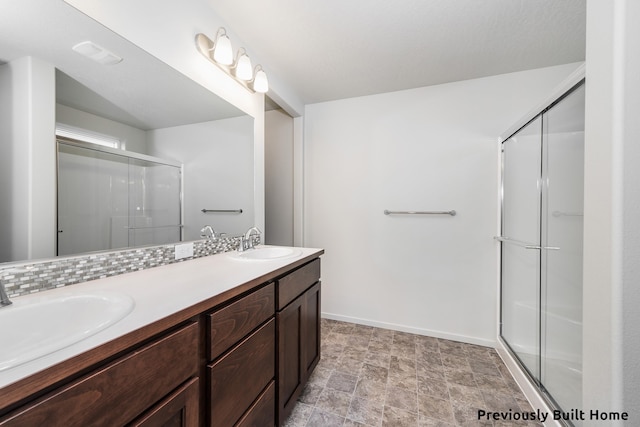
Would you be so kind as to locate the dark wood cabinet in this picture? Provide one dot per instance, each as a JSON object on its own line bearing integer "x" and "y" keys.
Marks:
{"x": 290, "y": 372}
{"x": 311, "y": 329}
{"x": 238, "y": 378}
{"x": 298, "y": 324}
{"x": 230, "y": 324}
{"x": 120, "y": 391}
{"x": 179, "y": 409}
{"x": 235, "y": 361}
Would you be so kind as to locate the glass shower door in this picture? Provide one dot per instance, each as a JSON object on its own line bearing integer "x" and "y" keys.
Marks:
{"x": 562, "y": 237}
{"x": 154, "y": 203}
{"x": 520, "y": 304}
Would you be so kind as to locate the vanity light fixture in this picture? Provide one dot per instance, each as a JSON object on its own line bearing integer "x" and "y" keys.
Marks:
{"x": 220, "y": 53}
{"x": 222, "y": 50}
{"x": 242, "y": 68}
{"x": 260, "y": 82}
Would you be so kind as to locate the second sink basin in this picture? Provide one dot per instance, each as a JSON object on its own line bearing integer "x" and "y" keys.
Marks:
{"x": 266, "y": 253}
{"x": 39, "y": 325}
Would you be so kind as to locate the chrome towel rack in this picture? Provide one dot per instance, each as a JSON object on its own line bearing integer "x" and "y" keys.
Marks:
{"x": 221, "y": 211}
{"x": 388, "y": 212}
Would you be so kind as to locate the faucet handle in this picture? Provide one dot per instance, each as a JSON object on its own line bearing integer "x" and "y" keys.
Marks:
{"x": 209, "y": 233}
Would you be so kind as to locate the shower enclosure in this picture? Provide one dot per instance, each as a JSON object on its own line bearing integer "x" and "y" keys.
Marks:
{"x": 541, "y": 248}
{"x": 110, "y": 199}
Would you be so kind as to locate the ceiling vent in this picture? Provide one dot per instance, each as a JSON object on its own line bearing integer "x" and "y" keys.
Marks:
{"x": 97, "y": 53}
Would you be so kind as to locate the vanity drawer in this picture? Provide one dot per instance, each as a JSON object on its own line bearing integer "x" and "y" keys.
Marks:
{"x": 239, "y": 377}
{"x": 263, "y": 412}
{"x": 230, "y": 324}
{"x": 120, "y": 391}
{"x": 295, "y": 283}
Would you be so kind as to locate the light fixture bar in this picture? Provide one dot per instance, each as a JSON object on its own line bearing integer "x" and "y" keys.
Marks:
{"x": 240, "y": 68}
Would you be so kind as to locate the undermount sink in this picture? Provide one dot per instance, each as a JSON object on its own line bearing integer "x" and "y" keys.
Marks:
{"x": 266, "y": 253}
{"x": 40, "y": 325}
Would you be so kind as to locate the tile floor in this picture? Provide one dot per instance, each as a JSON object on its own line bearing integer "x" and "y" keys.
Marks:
{"x": 378, "y": 377}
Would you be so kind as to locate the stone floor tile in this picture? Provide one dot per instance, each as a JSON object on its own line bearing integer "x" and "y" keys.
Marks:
{"x": 310, "y": 394}
{"x": 402, "y": 399}
{"x": 320, "y": 418}
{"x": 432, "y": 407}
{"x": 453, "y": 348}
{"x": 395, "y": 417}
{"x": 484, "y": 367}
{"x": 371, "y": 377}
{"x": 342, "y": 382}
{"x": 465, "y": 396}
{"x": 492, "y": 383}
{"x": 349, "y": 365}
{"x": 319, "y": 376}
{"x": 355, "y": 352}
{"x": 465, "y": 378}
{"x": 375, "y": 373}
{"x": 379, "y": 346}
{"x": 455, "y": 362}
{"x": 334, "y": 401}
{"x": 380, "y": 334}
{"x": 499, "y": 402}
{"x": 377, "y": 359}
{"x": 299, "y": 416}
{"x": 405, "y": 380}
{"x": 430, "y": 422}
{"x": 367, "y": 412}
{"x": 351, "y": 423}
{"x": 371, "y": 389}
{"x": 433, "y": 387}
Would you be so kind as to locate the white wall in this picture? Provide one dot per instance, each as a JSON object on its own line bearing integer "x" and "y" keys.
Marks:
{"x": 611, "y": 341}
{"x": 433, "y": 148}
{"x": 218, "y": 172}
{"x": 27, "y": 159}
{"x": 278, "y": 178}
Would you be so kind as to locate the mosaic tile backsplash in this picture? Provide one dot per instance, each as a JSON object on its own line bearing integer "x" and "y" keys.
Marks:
{"x": 22, "y": 279}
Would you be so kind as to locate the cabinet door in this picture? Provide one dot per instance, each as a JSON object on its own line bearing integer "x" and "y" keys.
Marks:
{"x": 119, "y": 392}
{"x": 290, "y": 363}
{"x": 239, "y": 377}
{"x": 311, "y": 328}
{"x": 179, "y": 409}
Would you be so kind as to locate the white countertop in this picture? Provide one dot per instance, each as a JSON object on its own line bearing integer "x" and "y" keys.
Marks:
{"x": 158, "y": 292}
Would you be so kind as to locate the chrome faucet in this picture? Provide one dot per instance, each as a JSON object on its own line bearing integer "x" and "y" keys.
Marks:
{"x": 4, "y": 298}
{"x": 246, "y": 241}
{"x": 209, "y": 233}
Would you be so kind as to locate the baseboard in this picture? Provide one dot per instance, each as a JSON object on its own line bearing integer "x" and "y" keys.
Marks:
{"x": 529, "y": 390}
{"x": 413, "y": 330}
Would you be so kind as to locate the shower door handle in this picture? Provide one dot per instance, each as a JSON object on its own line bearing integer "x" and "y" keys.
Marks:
{"x": 525, "y": 245}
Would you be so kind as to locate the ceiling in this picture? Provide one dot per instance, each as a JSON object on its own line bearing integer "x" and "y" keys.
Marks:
{"x": 335, "y": 49}
{"x": 140, "y": 91}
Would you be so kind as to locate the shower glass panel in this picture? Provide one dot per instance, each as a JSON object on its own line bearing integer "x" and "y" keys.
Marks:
{"x": 562, "y": 220}
{"x": 520, "y": 321}
{"x": 110, "y": 199}
{"x": 542, "y": 247}
{"x": 92, "y": 195}
{"x": 154, "y": 203}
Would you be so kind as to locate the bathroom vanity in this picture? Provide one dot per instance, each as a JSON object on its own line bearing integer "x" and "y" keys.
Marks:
{"x": 216, "y": 341}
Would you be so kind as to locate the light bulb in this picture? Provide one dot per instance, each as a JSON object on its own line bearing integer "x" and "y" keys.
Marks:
{"x": 260, "y": 82}
{"x": 244, "y": 70}
{"x": 222, "y": 52}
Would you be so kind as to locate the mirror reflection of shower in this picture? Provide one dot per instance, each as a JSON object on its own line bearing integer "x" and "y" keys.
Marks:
{"x": 110, "y": 199}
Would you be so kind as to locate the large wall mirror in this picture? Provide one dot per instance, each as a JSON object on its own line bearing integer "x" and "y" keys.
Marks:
{"x": 146, "y": 108}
